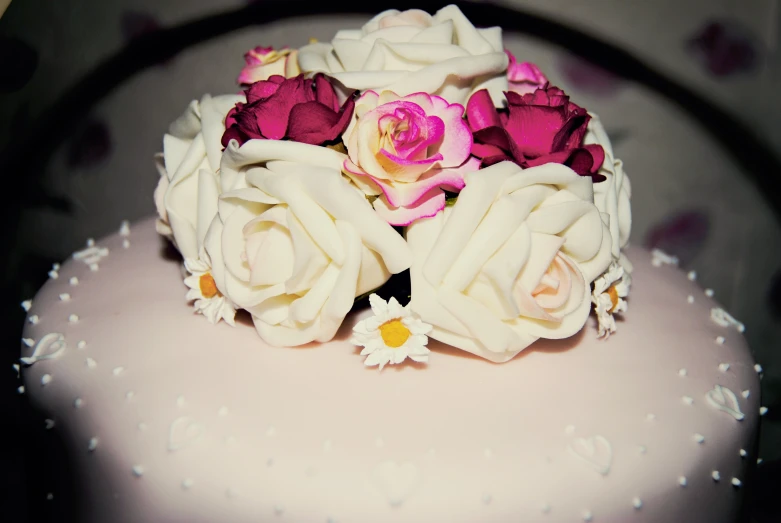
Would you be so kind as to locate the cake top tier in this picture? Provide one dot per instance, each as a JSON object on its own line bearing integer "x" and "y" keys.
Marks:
{"x": 415, "y": 162}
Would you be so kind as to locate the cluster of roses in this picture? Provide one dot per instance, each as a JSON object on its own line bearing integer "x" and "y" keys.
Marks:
{"x": 288, "y": 202}
{"x": 409, "y": 150}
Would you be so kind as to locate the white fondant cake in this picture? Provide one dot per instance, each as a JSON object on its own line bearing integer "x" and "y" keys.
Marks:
{"x": 170, "y": 418}
{"x": 514, "y": 384}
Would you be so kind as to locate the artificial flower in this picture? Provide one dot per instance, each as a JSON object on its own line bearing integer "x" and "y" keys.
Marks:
{"x": 511, "y": 261}
{"x": 261, "y": 63}
{"x": 524, "y": 77}
{"x": 208, "y": 300}
{"x": 536, "y": 128}
{"x": 613, "y": 196}
{"x": 411, "y": 51}
{"x": 298, "y": 109}
{"x": 188, "y": 189}
{"x": 407, "y": 150}
{"x": 608, "y": 295}
{"x": 297, "y": 241}
{"x": 391, "y": 335}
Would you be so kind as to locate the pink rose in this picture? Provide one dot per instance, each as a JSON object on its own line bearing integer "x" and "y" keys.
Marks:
{"x": 296, "y": 109}
{"x": 265, "y": 62}
{"x": 406, "y": 150}
{"x": 523, "y": 77}
{"x": 536, "y": 128}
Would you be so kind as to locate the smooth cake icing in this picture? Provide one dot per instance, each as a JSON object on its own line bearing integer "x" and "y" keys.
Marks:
{"x": 172, "y": 418}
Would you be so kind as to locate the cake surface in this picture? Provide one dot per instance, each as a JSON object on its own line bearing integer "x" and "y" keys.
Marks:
{"x": 170, "y": 418}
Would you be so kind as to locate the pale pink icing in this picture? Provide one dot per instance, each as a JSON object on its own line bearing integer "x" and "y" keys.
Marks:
{"x": 309, "y": 433}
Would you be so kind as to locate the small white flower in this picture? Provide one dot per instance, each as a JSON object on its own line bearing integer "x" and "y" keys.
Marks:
{"x": 209, "y": 301}
{"x": 610, "y": 289}
{"x": 391, "y": 335}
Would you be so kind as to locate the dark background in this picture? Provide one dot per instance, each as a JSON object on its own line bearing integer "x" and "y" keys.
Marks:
{"x": 688, "y": 92}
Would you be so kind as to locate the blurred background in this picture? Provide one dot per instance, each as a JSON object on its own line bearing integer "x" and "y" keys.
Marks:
{"x": 688, "y": 91}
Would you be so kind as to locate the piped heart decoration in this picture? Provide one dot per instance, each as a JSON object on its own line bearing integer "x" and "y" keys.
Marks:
{"x": 596, "y": 451}
{"x": 396, "y": 480}
{"x": 183, "y": 433}
{"x": 725, "y": 400}
{"x": 49, "y": 347}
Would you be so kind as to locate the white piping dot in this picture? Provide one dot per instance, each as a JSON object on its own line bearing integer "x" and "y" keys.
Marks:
{"x": 637, "y": 503}
{"x": 683, "y": 372}
{"x": 73, "y": 281}
{"x": 699, "y": 438}
{"x": 81, "y": 345}
{"x": 743, "y": 453}
{"x": 758, "y": 368}
{"x": 187, "y": 483}
{"x": 28, "y": 341}
{"x": 736, "y": 482}
{"x": 762, "y": 411}
{"x": 682, "y": 481}
{"x": 73, "y": 318}
{"x": 587, "y": 515}
{"x": 138, "y": 470}
{"x": 93, "y": 444}
{"x": 709, "y": 293}
{"x": 78, "y": 403}
{"x": 692, "y": 275}
{"x": 46, "y": 379}
{"x": 724, "y": 367}
{"x": 688, "y": 400}
{"x": 720, "y": 340}
{"x": 690, "y": 299}
{"x": 715, "y": 475}
{"x": 34, "y": 319}
{"x": 745, "y": 393}
{"x": 65, "y": 297}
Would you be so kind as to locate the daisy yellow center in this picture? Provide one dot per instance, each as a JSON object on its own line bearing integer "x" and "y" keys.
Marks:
{"x": 394, "y": 333}
{"x": 613, "y": 293}
{"x": 207, "y": 285}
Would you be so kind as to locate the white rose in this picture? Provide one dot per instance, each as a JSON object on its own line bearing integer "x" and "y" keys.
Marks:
{"x": 412, "y": 51}
{"x": 613, "y": 195}
{"x": 186, "y": 195}
{"x": 298, "y": 242}
{"x": 511, "y": 262}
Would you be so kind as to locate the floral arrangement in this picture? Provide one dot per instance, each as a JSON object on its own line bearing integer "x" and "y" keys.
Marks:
{"x": 416, "y": 159}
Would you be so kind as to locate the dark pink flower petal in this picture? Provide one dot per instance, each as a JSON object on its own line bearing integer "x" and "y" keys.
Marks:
{"x": 480, "y": 111}
{"x": 264, "y": 88}
{"x": 534, "y": 127}
{"x": 315, "y": 124}
{"x": 325, "y": 93}
{"x": 298, "y": 109}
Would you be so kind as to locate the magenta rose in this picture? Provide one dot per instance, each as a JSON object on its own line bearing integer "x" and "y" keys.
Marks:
{"x": 536, "y": 128}
{"x": 296, "y": 109}
{"x": 523, "y": 77}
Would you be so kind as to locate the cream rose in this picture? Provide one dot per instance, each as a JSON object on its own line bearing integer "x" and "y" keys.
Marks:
{"x": 297, "y": 240}
{"x": 186, "y": 195}
{"x": 412, "y": 51}
{"x": 511, "y": 262}
{"x": 613, "y": 195}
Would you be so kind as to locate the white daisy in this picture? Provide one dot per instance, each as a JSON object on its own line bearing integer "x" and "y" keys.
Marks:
{"x": 209, "y": 301}
{"x": 391, "y": 335}
{"x": 610, "y": 289}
